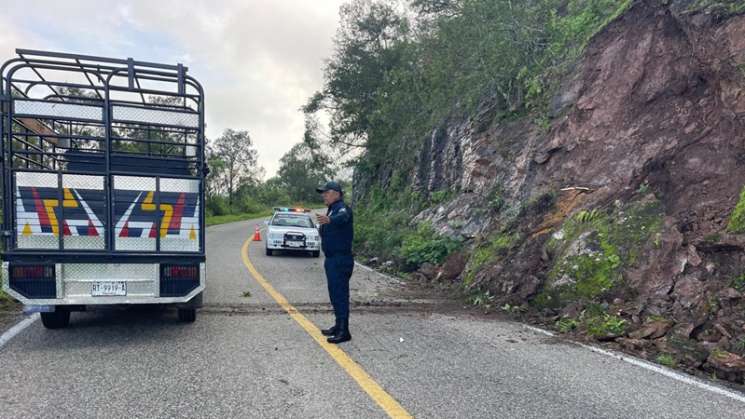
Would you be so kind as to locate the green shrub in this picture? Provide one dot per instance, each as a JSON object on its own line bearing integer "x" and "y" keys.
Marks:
{"x": 667, "y": 360}
{"x": 425, "y": 245}
{"x": 250, "y": 205}
{"x": 566, "y": 325}
{"x": 480, "y": 298}
{"x": 737, "y": 219}
{"x": 439, "y": 196}
{"x": 605, "y": 325}
{"x": 738, "y": 283}
{"x": 218, "y": 205}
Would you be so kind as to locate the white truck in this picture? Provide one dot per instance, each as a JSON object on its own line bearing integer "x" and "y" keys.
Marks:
{"x": 103, "y": 168}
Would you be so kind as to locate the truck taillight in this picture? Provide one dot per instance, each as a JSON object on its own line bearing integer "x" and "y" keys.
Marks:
{"x": 33, "y": 281}
{"x": 180, "y": 272}
{"x": 32, "y": 272}
{"x": 178, "y": 280}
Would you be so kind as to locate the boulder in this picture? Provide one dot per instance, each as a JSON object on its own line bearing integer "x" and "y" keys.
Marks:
{"x": 453, "y": 266}
{"x": 652, "y": 330}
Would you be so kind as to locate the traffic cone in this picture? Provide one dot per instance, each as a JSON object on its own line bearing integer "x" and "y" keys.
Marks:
{"x": 257, "y": 234}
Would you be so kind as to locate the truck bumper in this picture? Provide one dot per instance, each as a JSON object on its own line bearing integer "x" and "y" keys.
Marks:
{"x": 75, "y": 282}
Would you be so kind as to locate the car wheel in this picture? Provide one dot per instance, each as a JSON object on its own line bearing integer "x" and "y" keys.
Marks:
{"x": 58, "y": 319}
{"x": 269, "y": 252}
{"x": 316, "y": 253}
{"x": 187, "y": 315}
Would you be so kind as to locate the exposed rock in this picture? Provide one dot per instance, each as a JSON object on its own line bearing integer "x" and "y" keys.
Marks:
{"x": 731, "y": 365}
{"x": 655, "y": 109}
{"x": 453, "y": 266}
{"x": 632, "y": 344}
{"x": 428, "y": 270}
{"x": 652, "y": 330}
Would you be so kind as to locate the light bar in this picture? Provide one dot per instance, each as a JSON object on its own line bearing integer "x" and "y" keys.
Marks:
{"x": 285, "y": 209}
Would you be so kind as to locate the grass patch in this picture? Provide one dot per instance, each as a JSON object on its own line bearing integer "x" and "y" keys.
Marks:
{"x": 667, "y": 360}
{"x": 6, "y": 301}
{"x": 487, "y": 251}
{"x": 567, "y": 325}
{"x": 605, "y": 325}
{"x": 231, "y": 218}
{"x": 737, "y": 219}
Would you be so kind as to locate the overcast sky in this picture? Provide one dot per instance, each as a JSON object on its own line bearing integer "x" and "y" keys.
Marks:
{"x": 259, "y": 60}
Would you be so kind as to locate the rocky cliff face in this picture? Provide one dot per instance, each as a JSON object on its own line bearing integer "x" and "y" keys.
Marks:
{"x": 624, "y": 200}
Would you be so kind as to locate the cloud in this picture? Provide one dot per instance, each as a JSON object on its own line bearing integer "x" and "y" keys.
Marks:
{"x": 258, "y": 60}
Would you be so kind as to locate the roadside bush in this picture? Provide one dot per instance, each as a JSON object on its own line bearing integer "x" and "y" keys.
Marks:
{"x": 425, "y": 245}
{"x": 605, "y": 325}
{"x": 250, "y": 205}
{"x": 218, "y": 205}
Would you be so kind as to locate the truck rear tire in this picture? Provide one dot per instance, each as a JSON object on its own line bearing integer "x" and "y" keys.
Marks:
{"x": 316, "y": 253}
{"x": 269, "y": 252}
{"x": 187, "y": 315}
{"x": 58, "y": 319}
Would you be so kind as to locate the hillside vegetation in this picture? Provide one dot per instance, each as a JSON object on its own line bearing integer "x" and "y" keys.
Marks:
{"x": 575, "y": 162}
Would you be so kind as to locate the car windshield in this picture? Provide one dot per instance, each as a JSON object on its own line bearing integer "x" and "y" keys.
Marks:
{"x": 286, "y": 220}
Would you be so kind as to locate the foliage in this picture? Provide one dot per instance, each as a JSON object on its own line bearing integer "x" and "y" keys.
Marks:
{"x": 217, "y": 205}
{"x": 396, "y": 74}
{"x": 739, "y": 346}
{"x": 439, "y": 196}
{"x": 667, "y": 360}
{"x": 738, "y": 283}
{"x": 237, "y": 161}
{"x": 425, "y": 245}
{"x": 737, "y": 219}
{"x": 611, "y": 242}
{"x": 480, "y": 298}
{"x": 306, "y": 166}
{"x": 231, "y": 218}
{"x": 605, "y": 325}
{"x": 585, "y": 216}
{"x": 566, "y": 325}
{"x": 5, "y": 299}
{"x": 384, "y": 221}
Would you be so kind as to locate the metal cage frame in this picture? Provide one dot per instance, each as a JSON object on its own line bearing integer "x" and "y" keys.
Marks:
{"x": 107, "y": 80}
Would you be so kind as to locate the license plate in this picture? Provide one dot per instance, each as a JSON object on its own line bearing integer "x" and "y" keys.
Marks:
{"x": 295, "y": 244}
{"x": 109, "y": 288}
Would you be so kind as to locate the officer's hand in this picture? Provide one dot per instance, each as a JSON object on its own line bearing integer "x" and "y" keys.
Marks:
{"x": 322, "y": 219}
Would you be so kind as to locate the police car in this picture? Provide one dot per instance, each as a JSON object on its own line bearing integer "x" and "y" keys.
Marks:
{"x": 292, "y": 229}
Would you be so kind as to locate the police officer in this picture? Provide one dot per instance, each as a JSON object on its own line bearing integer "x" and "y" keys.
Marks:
{"x": 336, "y": 241}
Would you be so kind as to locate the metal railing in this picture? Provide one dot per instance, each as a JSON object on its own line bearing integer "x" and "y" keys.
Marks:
{"x": 72, "y": 114}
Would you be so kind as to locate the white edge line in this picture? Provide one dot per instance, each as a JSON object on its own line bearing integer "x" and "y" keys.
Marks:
{"x": 630, "y": 360}
{"x": 625, "y": 358}
{"x": 649, "y": 366}
{"x": 369, "y": 269}
{"x": 18, "y": 328}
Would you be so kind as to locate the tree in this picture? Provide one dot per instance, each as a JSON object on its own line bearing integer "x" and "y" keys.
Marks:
{"x": 364, "y": 54}
{"x": 305, "y": 166}
{"x": 235, "y": 151}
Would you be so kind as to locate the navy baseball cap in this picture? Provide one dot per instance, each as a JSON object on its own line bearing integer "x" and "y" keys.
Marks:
{"x": 330, "y": 186}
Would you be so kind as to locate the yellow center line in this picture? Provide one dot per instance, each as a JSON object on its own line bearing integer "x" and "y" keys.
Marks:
{"x": 373, "y": 389}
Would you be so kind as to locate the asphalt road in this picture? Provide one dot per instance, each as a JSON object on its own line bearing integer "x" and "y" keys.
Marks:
{"x": 247, "y": 357}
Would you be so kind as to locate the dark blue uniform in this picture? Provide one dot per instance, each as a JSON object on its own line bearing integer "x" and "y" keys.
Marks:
{"x": 336, "y": 241}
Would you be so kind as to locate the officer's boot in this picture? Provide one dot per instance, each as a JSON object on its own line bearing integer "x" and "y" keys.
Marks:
{"x": 331, "y": 331}
{"x": 342, "y": 333}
